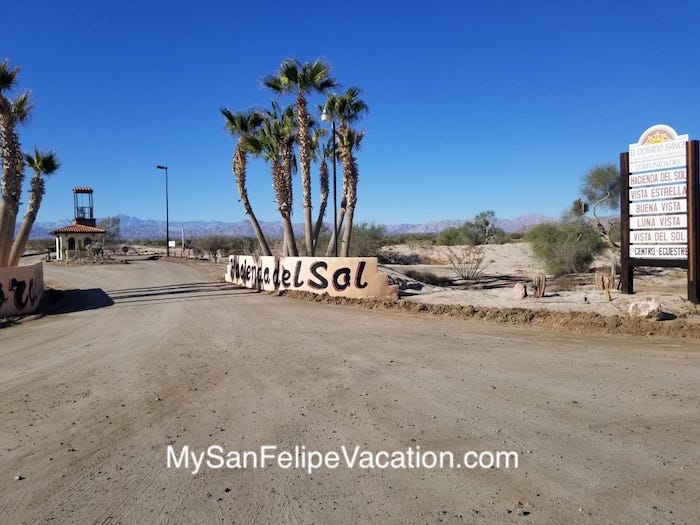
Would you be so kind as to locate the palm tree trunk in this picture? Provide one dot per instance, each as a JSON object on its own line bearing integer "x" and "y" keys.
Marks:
{"x": 330, "y": 251}
{"x": 23, "y": 234}
{"x": 305, "y": 161}
{"x": 289, "y": 236}
{"x": 12, "y": 175}
{"x": 323, "y": 176}
{"x": 239, "y": 173}
{"x": 345, "y": 248}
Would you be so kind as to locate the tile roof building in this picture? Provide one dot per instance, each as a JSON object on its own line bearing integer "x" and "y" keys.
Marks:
{"x": 72, "y": 239}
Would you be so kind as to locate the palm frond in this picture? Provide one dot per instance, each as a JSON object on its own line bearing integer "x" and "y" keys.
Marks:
{"x": 8, "y": 76}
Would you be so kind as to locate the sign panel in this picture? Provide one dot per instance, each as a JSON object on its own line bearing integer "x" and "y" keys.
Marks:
{"x": 656, "y": 164}
{"x": 658, "y": 236}
{"x": 657, "y": 207}
{"x": 668, "y": 191}
{"x": 655, "y": 222}
{"x": 659, "y": 251}
{"x": 658, "y": 177}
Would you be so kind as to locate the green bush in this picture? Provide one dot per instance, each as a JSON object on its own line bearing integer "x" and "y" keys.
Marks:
{"x": 567, "y": 247}
{"x": 366, "y": 241}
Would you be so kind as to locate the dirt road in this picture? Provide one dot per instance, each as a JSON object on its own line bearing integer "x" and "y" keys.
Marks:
{"x": 142, "y": 356}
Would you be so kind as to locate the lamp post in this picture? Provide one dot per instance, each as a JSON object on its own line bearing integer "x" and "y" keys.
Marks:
{"x": 325, "y": 117}
{"x": 167, "y": 217}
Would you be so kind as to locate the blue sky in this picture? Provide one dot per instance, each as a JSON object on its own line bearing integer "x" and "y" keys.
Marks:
{"x": 473, "y": 105}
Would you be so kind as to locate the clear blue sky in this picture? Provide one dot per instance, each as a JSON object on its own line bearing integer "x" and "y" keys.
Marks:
{"x": 474, "y": 105}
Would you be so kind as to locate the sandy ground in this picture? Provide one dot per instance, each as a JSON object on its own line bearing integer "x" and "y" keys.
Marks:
{"x": 510, "y": 263}
{"x": 133, "y": 358}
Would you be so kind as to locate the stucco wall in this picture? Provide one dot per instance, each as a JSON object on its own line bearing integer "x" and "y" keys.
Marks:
{"x": 336, "y": 276}
{"x": 21, "y": 288}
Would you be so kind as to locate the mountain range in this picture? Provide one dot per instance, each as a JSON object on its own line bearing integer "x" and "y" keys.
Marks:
{"x": 135, "y": 228}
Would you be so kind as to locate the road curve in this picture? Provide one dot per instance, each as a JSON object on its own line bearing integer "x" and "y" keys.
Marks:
{"x": 135, "y": 358}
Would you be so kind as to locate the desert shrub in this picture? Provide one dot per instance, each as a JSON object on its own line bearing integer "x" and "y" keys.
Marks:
{"x": 366, "y": 241}
{"x": 567, "y": 247}
{"x": 455, "y": 236}
{"x": 427, "y": 277}
{"x": 467, "y": 261}
{"x": 393, "y": 256}
{"x": 411, "y": 239}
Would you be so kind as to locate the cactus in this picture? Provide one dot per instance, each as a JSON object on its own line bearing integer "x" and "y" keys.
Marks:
{"x": 605, "y": 280}
{"x": 539, "y": 284}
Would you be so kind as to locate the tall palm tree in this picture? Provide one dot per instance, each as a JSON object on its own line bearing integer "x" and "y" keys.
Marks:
{"x": 303, "y": 79}
{"x": 321, "y": 150}
{"x": 347, "y": 109}
{"x": 274, "y": 141}
{"x": 44, "y": 165}
{"x": 12, "y": 114}
{"x": 244, "y": 125}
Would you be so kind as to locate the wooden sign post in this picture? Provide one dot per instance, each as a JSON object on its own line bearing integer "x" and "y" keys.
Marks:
{"x": 660, "y": 206}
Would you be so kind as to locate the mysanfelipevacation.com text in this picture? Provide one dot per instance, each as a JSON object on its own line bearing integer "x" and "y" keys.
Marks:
{"x": 216, "y": 457}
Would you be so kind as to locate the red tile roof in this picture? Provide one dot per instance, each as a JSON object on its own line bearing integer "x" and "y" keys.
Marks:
{"x": 82, "y": 189}
{"x": 78, "y": 228}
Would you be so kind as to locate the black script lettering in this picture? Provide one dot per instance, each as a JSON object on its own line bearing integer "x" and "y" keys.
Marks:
{"x": 322, "y": 283}
{"x": 336, "y": 279}
{"x": 358, "y": 277}
{"x": 267, "y": 276}
{"x": 18, "y": 287}
{"x": 297, "y": 271}
{"x": 32, "y": 294}
{"x": 286, "y": 274}
{"x": 3, "y": 299}
{"x": 276, "y": 277}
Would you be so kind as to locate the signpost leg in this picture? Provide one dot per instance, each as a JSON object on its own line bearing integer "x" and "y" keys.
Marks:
{"x": 626, "y": 270}
{"x": 693, "y": 222}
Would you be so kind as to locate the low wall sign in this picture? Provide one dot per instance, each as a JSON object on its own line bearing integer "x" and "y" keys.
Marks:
{"x": 336, "y": 276}
{"x": 21, "y": 288}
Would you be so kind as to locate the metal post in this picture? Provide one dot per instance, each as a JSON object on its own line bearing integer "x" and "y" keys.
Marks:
{"x": 335, "y": 199}
{"x": 167, "y": 212}
{"x": 167, "y": 217}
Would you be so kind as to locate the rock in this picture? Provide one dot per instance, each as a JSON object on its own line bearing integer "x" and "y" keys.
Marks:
{"x": 648, "y": 308}
{"x": 519, "y": 291}
{"x": 19, "y": 477}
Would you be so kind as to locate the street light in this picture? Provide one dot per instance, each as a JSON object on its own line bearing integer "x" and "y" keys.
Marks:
{"x": 167, "y": 218}
{"x": 325, "y": 117}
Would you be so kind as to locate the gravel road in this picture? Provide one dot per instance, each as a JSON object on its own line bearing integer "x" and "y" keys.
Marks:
{"x": 135, "y": 358}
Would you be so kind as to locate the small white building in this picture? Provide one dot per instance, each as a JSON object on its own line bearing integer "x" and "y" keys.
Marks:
{"x": 76, "y": 237}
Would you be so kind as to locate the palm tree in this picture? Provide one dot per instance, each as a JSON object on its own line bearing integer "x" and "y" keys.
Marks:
{"x": 43, "y": 164}
{"x": 293, "y": 77}
{"x": 274, "y": 141}
{"x": 12, "y": 114}
{"x": 347, "y": 109}
{"x": 243, "y": 125}
{"x": 322, "y": 150}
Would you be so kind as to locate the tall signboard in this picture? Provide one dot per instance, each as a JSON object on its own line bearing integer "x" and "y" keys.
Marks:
{"x": 659, "y": 197}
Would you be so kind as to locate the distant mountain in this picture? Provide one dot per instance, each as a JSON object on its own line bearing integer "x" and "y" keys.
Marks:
{"x": 135, "y": 228}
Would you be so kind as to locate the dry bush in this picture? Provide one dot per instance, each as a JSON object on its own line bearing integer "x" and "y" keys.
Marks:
{"x": 467, "y": 261}
{"x": 427, "y": 277}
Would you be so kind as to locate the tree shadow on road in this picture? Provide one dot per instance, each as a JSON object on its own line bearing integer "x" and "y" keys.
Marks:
{"x": 56, "y": 302}
{"x": 178, "y": 292}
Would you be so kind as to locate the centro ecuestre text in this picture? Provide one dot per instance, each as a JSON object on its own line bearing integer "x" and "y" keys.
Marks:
{"x": 216, "y": 457}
